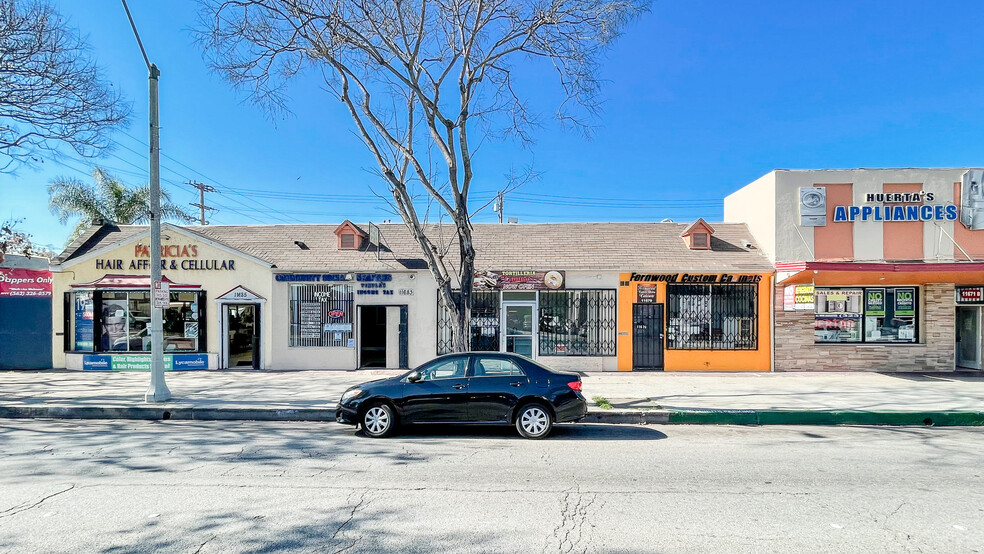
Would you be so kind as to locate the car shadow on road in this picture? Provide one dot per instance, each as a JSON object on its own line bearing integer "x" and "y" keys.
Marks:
{"x": 564, "y": 432}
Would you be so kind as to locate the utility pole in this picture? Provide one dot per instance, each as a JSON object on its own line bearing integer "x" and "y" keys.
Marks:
{"x": 202, "y": 189}
{"x": 158, "y": 391}
{"x": 499, "y": 201}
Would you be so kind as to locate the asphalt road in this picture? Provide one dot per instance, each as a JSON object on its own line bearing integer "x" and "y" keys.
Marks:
{"x": 128, "y": 486}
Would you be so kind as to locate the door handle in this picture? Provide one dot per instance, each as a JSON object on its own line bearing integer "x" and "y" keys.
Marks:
{"x": 458, "y": 386}
{"x": 516, "y": 384}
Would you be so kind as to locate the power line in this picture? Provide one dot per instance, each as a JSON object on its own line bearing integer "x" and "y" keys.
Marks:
{"x": 202, "y": 189}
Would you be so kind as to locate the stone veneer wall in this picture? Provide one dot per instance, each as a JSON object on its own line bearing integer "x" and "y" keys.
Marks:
{"x": 797, "y": 351}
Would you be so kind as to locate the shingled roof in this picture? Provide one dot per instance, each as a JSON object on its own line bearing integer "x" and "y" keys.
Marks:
{"x": 655, "y": 247}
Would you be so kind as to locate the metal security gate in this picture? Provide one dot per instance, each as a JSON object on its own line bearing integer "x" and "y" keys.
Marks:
{"x": 647, "y": 337}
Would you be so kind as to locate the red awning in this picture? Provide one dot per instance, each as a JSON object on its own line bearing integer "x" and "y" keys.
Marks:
{"x": 129, "y": 282}
{"x": 868, "y": 273}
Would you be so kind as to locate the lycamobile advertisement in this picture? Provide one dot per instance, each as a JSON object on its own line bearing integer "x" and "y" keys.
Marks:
{"x": 141, "y": 362}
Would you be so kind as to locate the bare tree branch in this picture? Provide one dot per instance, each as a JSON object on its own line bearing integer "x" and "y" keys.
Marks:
{"x": 420, "y": 77}
{"x": 51, "y": 92}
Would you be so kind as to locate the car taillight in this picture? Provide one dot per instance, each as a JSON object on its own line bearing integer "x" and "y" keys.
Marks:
{"x": 574, "y": 385}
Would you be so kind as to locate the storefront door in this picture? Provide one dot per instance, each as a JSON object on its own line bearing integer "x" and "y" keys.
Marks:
{"x": 969, "y": 337}
{"x": 647, "y": 337}
{"x": 520, "y": 335}
{"x": 372, "y": 336}
{"x": 242, "y": 325}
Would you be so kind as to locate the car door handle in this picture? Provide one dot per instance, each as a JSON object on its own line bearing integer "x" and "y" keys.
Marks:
{"x": 516, "y": 384}
{"x": 458, "y": 386}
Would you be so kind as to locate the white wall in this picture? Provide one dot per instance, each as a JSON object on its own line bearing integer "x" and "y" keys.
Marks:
{"x": 754, "y": 205}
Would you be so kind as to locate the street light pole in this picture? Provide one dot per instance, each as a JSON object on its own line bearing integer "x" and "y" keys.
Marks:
{"x": 158, "y": 391}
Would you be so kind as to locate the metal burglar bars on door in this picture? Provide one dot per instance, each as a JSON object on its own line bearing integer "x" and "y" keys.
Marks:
{"x": 647, "y": 336}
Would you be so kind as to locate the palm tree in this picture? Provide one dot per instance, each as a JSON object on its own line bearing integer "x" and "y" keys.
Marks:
{"x": 108, "y": 199}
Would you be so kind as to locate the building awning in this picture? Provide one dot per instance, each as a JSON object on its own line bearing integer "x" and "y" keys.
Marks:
{"x": 879, "y": 273}
{"x": 130, "y": 282}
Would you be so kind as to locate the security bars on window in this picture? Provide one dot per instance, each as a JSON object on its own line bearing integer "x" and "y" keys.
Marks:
{"x": 712, "y": 317}
{"x": 314, "y": 306}
{"x": 577, "y": 323}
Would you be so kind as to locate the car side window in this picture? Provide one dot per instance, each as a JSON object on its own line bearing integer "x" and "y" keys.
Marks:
{"x": 495, "y": 367}
{"x": 445, "y": 369}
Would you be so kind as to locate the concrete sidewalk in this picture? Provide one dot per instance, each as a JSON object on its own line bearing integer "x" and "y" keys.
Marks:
{"x": 738, "y": 398}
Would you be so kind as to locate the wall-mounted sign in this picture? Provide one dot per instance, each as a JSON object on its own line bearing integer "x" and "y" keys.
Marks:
{"x": 374, "y": 283}
{"x": 241, "y": 294}
{"x": 118, "y": 264}
{"x": 519, "y": 280}
{"x": 905, "y": 301}
{"x": 798, "y": 297}
{"x": 694, "y": 278}
{"x": 141, "y": 362}
{"x": 813, "y": 206}
{"x": 25, "y": 282}
{"x": 646, "y": 293}
{"x": 312, "y": 277}
{"x": 970, "y": 295}
{"x": 874, "y": 302}
{"x": 972, "y": 200}
{"x": 896, "y": 213}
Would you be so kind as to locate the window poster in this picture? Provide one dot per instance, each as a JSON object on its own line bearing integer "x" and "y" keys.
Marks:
{"x": 905, "y": 301}
{"x": 874, "y": 302}
{"x": 83, "y": 321}
{"x": 310, "y": 314}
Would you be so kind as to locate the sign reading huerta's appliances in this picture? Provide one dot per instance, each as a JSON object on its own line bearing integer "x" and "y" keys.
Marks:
{"x": 909, "y": 206}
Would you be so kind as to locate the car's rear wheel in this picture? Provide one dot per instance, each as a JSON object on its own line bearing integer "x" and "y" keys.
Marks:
{"x": 533, "y": 421}
{"x": 378, "y": 420}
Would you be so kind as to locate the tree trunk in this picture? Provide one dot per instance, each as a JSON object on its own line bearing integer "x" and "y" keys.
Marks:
{"x": 462, "y": 335}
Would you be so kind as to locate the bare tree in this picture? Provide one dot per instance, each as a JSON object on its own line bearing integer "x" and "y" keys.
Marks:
{"x": 15, "y": 241}
{"x": 425, "y": 82}
{"x": 51, "y": 92}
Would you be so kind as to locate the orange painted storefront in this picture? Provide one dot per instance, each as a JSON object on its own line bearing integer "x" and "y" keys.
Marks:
{"x": 759, "y": 359}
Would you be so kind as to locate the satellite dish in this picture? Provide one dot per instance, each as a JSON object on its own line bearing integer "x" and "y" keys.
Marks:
{"x": 666, "y": 220}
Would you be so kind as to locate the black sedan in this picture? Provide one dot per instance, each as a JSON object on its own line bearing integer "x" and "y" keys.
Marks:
{"x": 474, "y": 387}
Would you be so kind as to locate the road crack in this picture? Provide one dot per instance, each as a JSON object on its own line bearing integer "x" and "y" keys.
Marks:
{"x": 359, "y": 506}
{"x": 13, "y": 511}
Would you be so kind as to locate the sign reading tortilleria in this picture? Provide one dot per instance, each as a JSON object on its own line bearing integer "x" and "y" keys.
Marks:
{"x": 25, "y": 282}
{"x": 519, "y": 280}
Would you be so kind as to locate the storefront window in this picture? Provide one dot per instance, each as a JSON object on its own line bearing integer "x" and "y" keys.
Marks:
{"x": 577, "y": 323}
{"x": 838, "y": 315}
{"x": 321, "y": 315}
{"x": 866, "y": 315}
{"x": 124, "y": 322}
{"x": 712, "y": 317}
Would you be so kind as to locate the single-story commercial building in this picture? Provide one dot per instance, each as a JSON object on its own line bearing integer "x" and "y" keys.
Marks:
{"x": 578, "y": 296}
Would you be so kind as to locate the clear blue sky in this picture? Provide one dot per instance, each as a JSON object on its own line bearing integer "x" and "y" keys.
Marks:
{"x": 702, "y": 98}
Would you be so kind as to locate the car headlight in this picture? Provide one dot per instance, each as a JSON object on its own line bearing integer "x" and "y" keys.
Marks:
{"x": 351, "y": 394}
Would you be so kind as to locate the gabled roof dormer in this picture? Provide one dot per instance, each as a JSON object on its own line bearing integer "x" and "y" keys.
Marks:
{"x": 349, "y": 235}
{"x": 698, "y": 235}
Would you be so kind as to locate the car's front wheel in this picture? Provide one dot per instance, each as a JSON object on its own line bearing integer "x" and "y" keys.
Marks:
{"x": 533, "y": 421}
{"x": 378, "y": 420}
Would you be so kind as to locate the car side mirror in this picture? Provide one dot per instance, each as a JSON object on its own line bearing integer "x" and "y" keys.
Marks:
{"x": 414, "y": 376}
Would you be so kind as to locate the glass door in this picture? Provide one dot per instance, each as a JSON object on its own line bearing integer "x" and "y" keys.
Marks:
{"x": 969, "y": 337}
{"x": 520, "y": 335}
{"x": 242, "y": 336}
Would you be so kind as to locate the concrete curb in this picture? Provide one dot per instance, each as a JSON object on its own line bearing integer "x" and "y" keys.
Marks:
{"x": 630, "y": 417}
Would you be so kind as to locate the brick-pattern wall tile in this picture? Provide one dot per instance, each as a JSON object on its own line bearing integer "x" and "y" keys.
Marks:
{"x": 797, "y": 351}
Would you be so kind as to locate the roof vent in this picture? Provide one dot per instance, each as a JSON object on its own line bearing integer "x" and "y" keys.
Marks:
{"x": 301, "y": 245}
{"x": 698, "y": 235}
{"x": 666, "y": 220}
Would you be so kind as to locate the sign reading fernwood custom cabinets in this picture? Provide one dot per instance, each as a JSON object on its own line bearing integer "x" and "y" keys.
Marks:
{"x": 694, "y": 278}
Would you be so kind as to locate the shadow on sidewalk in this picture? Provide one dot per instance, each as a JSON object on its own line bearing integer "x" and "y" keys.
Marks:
{"x": 963, "y": 376}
